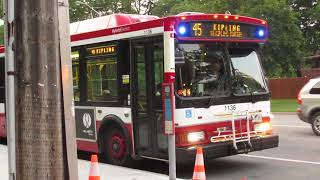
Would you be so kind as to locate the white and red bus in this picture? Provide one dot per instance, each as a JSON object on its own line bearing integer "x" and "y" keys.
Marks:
{"x": 222, "y": 100}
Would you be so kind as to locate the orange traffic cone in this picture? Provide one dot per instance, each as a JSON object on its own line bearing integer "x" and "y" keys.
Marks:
{"x": 94, "y": 169}
{"x": 199, "y": 171}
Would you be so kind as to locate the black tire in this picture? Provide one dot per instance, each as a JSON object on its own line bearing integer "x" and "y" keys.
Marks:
{"x": 116, "y": 147}
{"x": 315, "y": 123}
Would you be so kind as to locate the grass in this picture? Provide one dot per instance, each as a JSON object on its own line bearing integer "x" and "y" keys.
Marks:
{"x": 284, "y": 105}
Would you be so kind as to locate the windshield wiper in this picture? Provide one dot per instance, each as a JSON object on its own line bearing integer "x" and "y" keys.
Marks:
{"x": 239, "y": 82}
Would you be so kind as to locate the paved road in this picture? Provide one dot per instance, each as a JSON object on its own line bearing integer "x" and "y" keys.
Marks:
{"x": 297, "y": 157}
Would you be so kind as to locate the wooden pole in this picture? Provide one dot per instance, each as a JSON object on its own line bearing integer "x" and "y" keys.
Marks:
{"x": 67, "y": 88}
{"x": 42, "y": 145}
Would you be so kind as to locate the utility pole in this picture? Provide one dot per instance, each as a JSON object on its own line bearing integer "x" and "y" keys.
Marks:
{"x": 45, "y": 127}
{"x": 10, "y": 91}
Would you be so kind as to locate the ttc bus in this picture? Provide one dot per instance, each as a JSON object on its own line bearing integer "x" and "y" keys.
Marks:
{"x": 222, "y": 100}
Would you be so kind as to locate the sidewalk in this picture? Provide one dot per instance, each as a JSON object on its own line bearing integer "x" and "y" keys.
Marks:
{"x": 108, "y": 172}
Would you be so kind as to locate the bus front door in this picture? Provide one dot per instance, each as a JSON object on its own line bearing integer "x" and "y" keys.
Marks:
{"x": 147, "y": 74}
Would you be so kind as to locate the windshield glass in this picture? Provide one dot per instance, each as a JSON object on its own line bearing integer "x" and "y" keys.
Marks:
{"x": 201, "y": 70}
{"x": 246, "y": 70}
{"x": 210, "y": 69}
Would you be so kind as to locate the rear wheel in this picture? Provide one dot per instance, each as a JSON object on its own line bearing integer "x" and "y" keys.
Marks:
{"x": 116, "y": 148}
{"x": 315, "y": 124}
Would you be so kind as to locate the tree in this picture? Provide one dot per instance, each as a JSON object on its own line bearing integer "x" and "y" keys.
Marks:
{"x": 78, "y": 12}
{"x": 309, "y": 15}
{"x": 285, "y": 50}
{"x": 1, "y": 9}
{"x": 104, "y": 7}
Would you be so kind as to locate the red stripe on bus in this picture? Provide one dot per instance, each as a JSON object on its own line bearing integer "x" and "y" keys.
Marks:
{"x": 3, "y": 130}
{"x": 87, "y": 146}
{"x": 118, "y": 30}
{"x": 1, "y": 49}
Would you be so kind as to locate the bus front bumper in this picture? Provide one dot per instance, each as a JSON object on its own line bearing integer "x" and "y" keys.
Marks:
{"x": 221, "y": 149}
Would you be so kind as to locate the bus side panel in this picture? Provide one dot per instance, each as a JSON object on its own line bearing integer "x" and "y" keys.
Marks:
{"x": 87, "y": 146}
{"x": 3, "y": 131}
{"x": 100, "y": 113}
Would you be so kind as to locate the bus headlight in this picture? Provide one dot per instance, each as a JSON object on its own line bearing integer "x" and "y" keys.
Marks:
{"x": 262, "y": 127}
{"x": 196, "y": 136}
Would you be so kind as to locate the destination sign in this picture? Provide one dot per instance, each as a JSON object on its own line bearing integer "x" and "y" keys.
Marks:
{"x": 221, "y": 30}
{"x": 102, "y": 50}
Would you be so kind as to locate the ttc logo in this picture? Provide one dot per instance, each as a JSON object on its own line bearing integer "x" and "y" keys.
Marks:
{"x": 86, "y": 119}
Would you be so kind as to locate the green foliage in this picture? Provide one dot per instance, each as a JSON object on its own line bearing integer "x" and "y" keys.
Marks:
{"x": 309, "y": 15}
{"x": 285, "y": 49}
{"x": 81, "y": 11}
{"x": 1, "y": 8}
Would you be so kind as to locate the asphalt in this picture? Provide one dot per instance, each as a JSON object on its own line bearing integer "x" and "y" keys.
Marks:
{"x": 296, "y": 158}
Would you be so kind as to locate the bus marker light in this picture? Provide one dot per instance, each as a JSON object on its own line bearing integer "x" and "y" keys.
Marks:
{"x": 182, "y": 30}
{"x": 261, "y": 33}
{"x": 236, "y": 17}
{"x": 226, "y": 17}
{"x": 215, "y": 16}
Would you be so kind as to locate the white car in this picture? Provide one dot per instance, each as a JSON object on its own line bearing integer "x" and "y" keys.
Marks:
{"x": 309, "y": 104}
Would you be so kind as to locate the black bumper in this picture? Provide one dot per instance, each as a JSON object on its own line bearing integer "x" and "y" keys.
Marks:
{"x": 302, "y": 117}
{"x": 222, "y": 149}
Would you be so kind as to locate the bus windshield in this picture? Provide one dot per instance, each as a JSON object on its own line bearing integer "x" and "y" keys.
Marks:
{"x": 209, "y": 69}
{"x": 201, "y": 70}
{"x": 246, "y": 72}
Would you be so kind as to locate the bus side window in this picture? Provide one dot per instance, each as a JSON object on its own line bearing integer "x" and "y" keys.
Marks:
{"x": 102, "y": 80}
{"x": 75, "y": 75}
{"x": 158, "y": 74}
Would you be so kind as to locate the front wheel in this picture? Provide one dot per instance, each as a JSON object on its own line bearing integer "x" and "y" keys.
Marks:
{"x": 315, "y": 124}
{"x": 116, "y": 148}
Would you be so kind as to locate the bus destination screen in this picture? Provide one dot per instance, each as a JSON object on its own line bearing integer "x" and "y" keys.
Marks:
{"x": 221, "y": 30}
{"x": 102, "y": 50}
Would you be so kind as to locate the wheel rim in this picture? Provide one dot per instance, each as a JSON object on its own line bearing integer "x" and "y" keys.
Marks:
{"x": 316, "y": 124}
{"x": 117, "y": 147}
